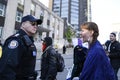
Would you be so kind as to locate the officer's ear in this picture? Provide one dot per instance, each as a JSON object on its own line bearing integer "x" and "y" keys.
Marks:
{"x": 23, "y": 23}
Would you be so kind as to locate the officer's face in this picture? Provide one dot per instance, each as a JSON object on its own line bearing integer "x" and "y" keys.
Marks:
{"x": 30, "y": 27}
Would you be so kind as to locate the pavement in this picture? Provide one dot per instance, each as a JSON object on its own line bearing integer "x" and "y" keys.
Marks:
{"x": 68, "y": 57}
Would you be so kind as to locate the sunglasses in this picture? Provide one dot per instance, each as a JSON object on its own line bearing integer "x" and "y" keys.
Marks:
{"x": 33, "y": 23}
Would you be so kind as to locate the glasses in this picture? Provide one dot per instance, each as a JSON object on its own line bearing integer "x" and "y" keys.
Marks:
{"x": 33, "y": 23}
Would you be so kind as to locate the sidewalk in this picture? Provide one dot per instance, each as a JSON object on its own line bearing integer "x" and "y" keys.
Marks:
{"x": 68, "y": 51}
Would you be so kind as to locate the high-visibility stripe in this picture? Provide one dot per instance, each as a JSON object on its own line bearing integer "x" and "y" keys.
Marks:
{"x": 0, "y": 51}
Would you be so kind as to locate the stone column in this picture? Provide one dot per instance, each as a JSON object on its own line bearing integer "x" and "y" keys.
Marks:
{"x": 37, "y": 11}
{"x": 56, "y": 29}
{"x": 37, "y": 15}
{"x": 61, "y": 29}
{"x": 51, "y": 26}
{"x": 27, "y": 7}
{"x": 44, "y": 23}
{"x": 10, "y": 19}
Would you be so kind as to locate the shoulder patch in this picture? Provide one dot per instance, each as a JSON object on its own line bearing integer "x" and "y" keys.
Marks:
{"x": 13, "y": 44}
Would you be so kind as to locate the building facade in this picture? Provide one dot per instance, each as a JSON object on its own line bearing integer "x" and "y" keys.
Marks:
{"x": 11, "y": 15}
{"x": 76, "y": 11}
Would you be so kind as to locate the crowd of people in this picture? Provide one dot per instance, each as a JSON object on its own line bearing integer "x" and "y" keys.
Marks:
{"x": 18, "y": 55}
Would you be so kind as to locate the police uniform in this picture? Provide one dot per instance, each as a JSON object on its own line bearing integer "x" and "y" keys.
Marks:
{"x": 18, "y": 58}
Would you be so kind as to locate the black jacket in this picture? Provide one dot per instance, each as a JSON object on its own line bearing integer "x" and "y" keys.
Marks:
{"x": 48, "y": 64}
{"x": 78, "y": 60}
{"x": 114, "y": 54}
{"x": 19, "y": 56}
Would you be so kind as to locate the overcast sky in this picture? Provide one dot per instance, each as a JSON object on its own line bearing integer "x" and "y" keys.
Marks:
{"x": 105, "y": 13}
{"x": 45, "y": 2}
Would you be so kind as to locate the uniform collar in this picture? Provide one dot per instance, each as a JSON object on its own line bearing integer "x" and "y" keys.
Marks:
{"x": 22, "y": 33}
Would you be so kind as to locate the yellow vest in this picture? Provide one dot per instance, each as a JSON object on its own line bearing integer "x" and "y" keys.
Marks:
{"x": 0, "y": 51}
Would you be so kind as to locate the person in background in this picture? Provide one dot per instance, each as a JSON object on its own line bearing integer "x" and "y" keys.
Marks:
{"x": 79, "y": 56}
{"x": 19, "y": 52}
{"x": 48, "y": 60}
{"x": 97, "y": 65}
{"x": 64, "y": 49}
{"x": 113, "y": 51}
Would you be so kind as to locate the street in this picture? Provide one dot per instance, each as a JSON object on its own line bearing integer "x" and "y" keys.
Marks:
{"x": 68, "y": 57}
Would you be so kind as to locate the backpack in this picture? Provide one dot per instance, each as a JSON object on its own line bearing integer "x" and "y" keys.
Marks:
{"x": 60, "y": 62}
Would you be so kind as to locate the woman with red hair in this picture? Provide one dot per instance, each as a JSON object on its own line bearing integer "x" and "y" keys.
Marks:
{"x": 97, "y": 65}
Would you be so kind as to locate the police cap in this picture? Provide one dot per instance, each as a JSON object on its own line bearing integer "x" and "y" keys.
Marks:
{"x": 31, "y": 18}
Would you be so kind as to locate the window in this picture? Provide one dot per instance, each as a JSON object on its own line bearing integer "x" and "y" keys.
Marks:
{"x": 64, "y": 1}
{"x": 21, "y": 5}
{"x": 57, "y": 1}
{"x": 32, "y": 9}
{"x": 2, "y": 9}
{"x": 19, "y": 16}
{"x": 41, "y": 15}
{"x": 53, "y": 21}
{"x": 21, "y": 2}
{"x": 75, "y": 1}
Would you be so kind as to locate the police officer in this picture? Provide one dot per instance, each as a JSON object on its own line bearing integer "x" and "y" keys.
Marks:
{"x": 19, "y": 52}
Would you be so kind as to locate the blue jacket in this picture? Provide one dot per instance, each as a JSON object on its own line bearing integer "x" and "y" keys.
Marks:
{"x": 97, "y": 65}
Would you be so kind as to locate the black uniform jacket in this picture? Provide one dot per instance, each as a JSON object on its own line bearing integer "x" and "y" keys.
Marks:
{"x": 19, "y": 54}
